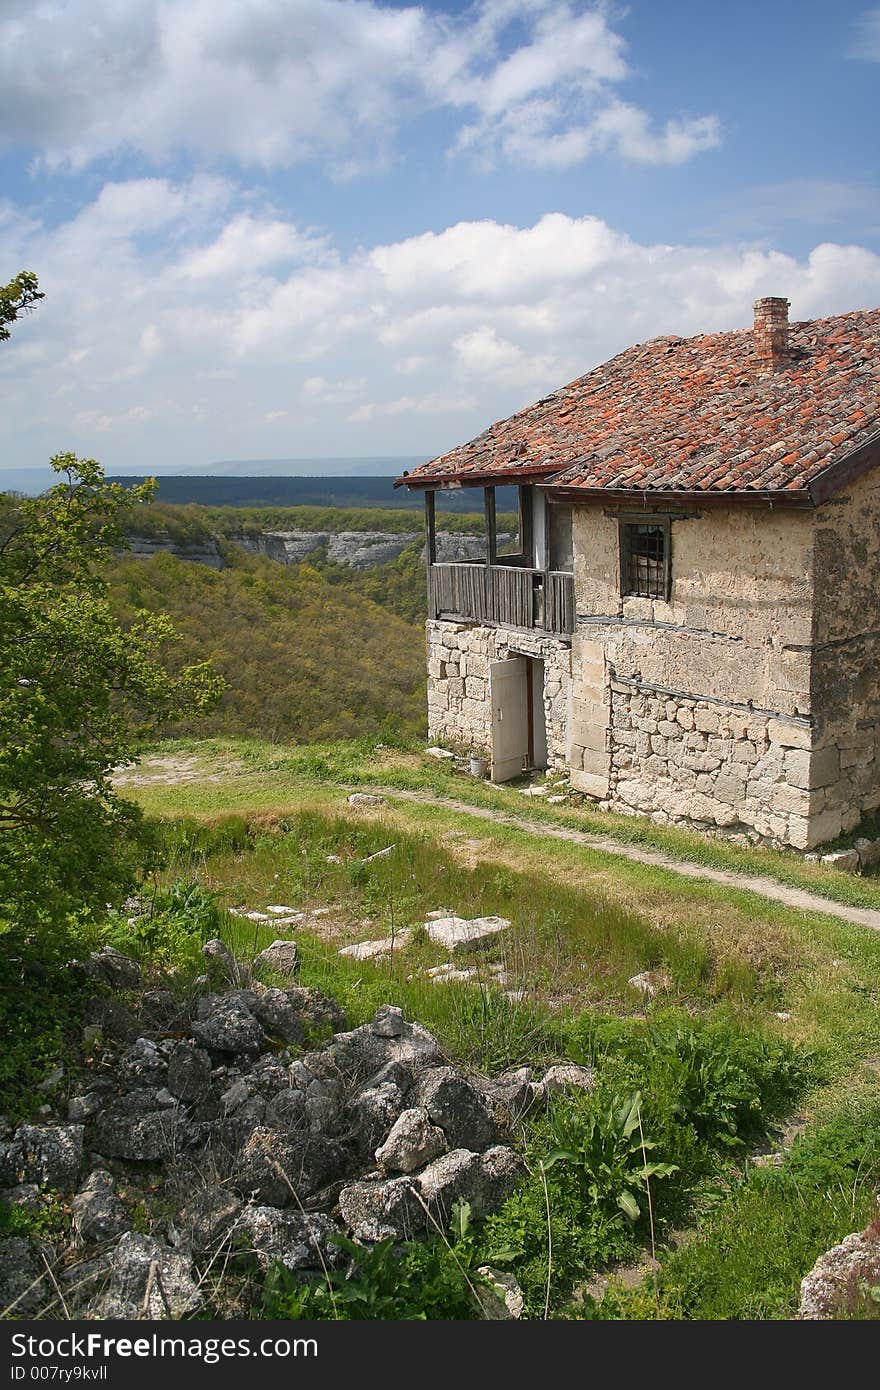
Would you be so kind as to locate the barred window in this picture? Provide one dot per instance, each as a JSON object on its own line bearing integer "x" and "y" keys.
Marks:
{"x": 644, "y": 555}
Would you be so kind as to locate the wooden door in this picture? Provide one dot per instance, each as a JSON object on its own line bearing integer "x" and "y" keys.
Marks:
{"x": 508, "y": 695}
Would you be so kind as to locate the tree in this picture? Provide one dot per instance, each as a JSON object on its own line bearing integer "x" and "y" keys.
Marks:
{"x": 18, "y": 298}
{"x": 78, "y": 694}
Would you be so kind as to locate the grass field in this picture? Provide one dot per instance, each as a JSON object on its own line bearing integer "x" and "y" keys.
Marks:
{"x": 256, "y": 825}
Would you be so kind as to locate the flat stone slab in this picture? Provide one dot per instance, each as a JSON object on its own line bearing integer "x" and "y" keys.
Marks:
{"x": 371, "y": 950}
{"x": 447, "y": 973}
{"x": 459, "y": 931}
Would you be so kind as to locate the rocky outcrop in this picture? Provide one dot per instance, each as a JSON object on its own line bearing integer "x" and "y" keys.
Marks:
{"x": 204, "y": 552}
{"x": 841, "y": 1280}
{"x": 225, "y": 1140}
{"x": 358, "y": 550}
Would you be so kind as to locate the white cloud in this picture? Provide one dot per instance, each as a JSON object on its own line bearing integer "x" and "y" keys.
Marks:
{"x": 320, "y": 391}
{"x": 866, "y": 36}
{"x": 270, "y": 83}
{"x": 134, "y": 358}
{"x": 435, "y": 403}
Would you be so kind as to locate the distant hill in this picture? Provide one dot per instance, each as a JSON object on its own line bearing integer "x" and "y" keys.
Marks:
{"x": 218, "y": 490}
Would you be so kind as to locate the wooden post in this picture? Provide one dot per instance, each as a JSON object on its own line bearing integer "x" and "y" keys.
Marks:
{"x": 491, "y": 531}
{"x": 527, "y": 526}
{"x": 430, "y": 526}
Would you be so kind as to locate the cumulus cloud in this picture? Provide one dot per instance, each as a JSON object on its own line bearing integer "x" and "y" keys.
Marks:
{"x": 270, "y": 83}
{"x": 142, "y": 355}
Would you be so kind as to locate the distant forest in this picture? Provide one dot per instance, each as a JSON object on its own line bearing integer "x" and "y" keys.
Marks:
{"x": 220, "y": 491}
{"x": 309, "y": 652}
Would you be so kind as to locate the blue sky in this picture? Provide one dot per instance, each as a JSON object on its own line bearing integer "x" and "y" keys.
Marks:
{"x": 270, "y": 228}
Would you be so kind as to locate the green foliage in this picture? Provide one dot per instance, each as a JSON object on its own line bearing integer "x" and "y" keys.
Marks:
{"x": 304, "y": 658}
{"x": 415, "y": 1281}
{"x": 16, "y": 299}
{"x": 722, "y": 1079}
{"x": 42, "y": 1003}
{"x": 191, "y": 522}
{"x": 48, "y": 1220}
{"x": 553, "y": 1230}
{"x": 180, "y": 920}
{"x": 606, "y": 1151}
{"x": 759, "y": 1241}
{"x": 77, "y": 692}
{"x": 588, "y": 1166}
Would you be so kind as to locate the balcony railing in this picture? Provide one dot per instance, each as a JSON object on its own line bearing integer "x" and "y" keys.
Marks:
{"x": 507, "y": 595}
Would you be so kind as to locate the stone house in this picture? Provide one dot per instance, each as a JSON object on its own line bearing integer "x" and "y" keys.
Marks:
{"x": 687, "y": 620}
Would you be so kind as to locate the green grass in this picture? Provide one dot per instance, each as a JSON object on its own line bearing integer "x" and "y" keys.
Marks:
{"x": 757, "y": 1241}
{"x": 276, "y": 774}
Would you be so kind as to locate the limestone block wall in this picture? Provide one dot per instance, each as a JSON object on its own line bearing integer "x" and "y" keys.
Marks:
{"x": 846, "y": 655}
{"x": 458, "y": 683}
{"x": 707, "y": 699}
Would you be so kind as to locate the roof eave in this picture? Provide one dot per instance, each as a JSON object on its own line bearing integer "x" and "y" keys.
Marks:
{"x": 838, "y": 475}
{"x": 489, "y": 477}
{"x": 648, "y": 499}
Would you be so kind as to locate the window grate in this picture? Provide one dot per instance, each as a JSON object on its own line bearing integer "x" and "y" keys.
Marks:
{"x": 646, "y": 560}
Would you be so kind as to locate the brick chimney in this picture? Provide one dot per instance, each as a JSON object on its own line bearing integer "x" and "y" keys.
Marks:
{"x": 771, "y": 333}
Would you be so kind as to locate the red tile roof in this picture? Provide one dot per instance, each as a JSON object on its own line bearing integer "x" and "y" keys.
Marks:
{"x": 695, "y": 415}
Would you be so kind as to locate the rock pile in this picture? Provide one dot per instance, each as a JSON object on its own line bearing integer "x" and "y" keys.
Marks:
{"x": 224, "y": 1128}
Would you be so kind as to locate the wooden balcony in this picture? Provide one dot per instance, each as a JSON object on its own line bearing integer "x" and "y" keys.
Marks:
{"x": 504, "y": 595}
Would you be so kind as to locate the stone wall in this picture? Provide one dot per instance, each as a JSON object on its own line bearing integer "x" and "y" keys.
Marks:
{"x": 459, "y": 712}
{"x": 705, "y": 699}
{"x": 846, "y": 655}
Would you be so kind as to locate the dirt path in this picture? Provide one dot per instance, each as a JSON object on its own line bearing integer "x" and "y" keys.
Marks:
{"x": 797, "y": 898}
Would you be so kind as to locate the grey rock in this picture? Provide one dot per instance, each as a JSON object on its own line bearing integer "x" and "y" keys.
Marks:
{"x": 317, "y": 1011}
{"x": 297, "y": 1240}
{"x": 412, "y": 1142}
{"x": 378, "y": 1210}
{"x": 208, "y": 1218}
{"x": 362, "y": 550}
{"x": 567, "y": 1076}
{"x": 287, "y": 1110}
{"x": 146, "y": 1277}
{"x": 49, "y": 1155}
{"x": 454, "y": 1177}
{"x": 371, "y": 1114}
{"x": 97, "y": 1212}
{"x": 145, "y": 1137}
{"x": 111, "y": 967}
{"x": 277, "y": 1016}
{"x": 365, "y": 799}
{"x": 363, "y": 1051}
{"x": 160, "y": 1012}
{"x": 485, "y": 1181}
{"x": 281, "y": 958}
{"x": 503, "y": 1170}
{"x": 388, "y": 1022}
{"x": 234, "y": 1097}
{"x": 189, "y": 1073}
{"x": 83, "y": 1107}
{"x": 24, "y": 1194}
{"x": 229, "y": 1026}
{"x": 848, "y": 860}
{"x": 827, "y": 1289}
{"x": 510, "y": 1095}
{"x": 501, "y": 1297}
{"x": 275, "y": 1168}
{"x": 22, "y": 1286}
{"x": 142, "y": 1065}
{"x": 221, "y": 963}
{"x": 53, "y": 1080}
{"x": 869, "y": 852}
{"x": 112, "y": 1018}
{"x": 455, "y": 1104}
